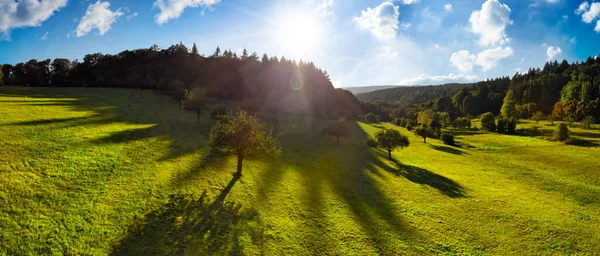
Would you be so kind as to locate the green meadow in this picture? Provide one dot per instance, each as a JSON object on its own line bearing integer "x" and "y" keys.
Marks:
{"x": 89, "y": 171}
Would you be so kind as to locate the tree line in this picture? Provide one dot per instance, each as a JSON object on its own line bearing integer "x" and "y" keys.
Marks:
{"x": 266, "y": 84}
{"x": 568, "y": 91}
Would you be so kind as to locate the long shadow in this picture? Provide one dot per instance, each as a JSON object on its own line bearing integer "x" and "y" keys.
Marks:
{"x": 113, "y": 106}
{"x": 194, "y": 226}
{"x": 449, "y": 150}
{"x": 586, "y": 134}
{"x": 421, "y": 176}
{"x": 583, "y": 143}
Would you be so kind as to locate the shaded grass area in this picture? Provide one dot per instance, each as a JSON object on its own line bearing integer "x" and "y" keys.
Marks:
{"x": 90, "y": 171}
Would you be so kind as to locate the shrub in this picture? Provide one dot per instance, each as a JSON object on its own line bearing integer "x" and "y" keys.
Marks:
{"x": 338, "y": 129}
{"x": 218, "y": 112}
{"x": 587, "y": 123}
{"x": 372, "y": 118}
{"x": 409, "y": 126}
{"x": 561, "y": 133}
{"x": 371, "y": 142}
{"x": 488, "y": 122}
{"x": 447, "y": 138}
{"x": 506, "y": 125}
{"x": 462, "y": 122}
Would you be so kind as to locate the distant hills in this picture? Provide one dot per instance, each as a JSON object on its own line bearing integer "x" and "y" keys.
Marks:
{"x": 365, "y": 89}
{"x": 408, "y": 95}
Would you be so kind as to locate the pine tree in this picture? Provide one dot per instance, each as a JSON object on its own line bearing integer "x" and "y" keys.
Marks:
{"x": 195, "y": 50}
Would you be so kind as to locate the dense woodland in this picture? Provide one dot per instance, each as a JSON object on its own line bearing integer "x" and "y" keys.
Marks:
{"x": 267, "y": 84}
{"x": 559, "y": 90}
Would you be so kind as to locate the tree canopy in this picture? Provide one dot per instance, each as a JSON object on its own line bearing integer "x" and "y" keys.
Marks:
{"x": 390, "y": 140}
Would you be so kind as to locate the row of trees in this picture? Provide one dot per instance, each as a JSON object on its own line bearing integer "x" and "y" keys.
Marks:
{"x": 560, "y": 91}
{"x": 267, "y": 84}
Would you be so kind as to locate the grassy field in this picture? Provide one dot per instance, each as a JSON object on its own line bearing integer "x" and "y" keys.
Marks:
{"x": 96, "y": 172}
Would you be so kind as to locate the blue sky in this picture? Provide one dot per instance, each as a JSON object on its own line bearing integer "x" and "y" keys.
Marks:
{"x": 358, "y": 42}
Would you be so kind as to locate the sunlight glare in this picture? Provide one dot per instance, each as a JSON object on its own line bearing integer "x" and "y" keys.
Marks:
{"x": 299, "y": 34}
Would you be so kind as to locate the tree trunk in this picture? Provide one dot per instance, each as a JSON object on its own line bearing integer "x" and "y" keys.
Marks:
{"x": 424, "y": 139}
{"x": 180, "y": 103}
{"x": 198, "y": 114}
{"x": 338, "y": 139}
{"x": 239, "y": 166}
{"x": 390, "y": 154}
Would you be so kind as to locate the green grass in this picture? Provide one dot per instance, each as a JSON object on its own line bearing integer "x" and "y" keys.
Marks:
{"x": 82, "y": 171}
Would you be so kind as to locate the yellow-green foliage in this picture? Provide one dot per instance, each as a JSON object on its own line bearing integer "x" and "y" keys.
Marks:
{"x": 84, "y": 172}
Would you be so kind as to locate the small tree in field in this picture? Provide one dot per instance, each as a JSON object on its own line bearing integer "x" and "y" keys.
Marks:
{"x": 242, "y": 135}
{"x": 372, "y": 118}
{"x": 195, "y": 99}
{"x": 338, "y": 129}
{"x": 422, "y": 131}
{"x": 561, "y": 133}
{"x": 390, "y": 140}
{"x": 538, "y": 116}
{"x": 488, "y": 122}
{"x": 587, "y": 123}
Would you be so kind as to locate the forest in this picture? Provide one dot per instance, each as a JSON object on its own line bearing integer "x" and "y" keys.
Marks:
{"x": 560, "y": 90}
{"x": 266, "y": 84}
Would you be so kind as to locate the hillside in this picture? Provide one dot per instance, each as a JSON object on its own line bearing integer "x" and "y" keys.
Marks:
{"x": 407, "y": 95}
{"x": 91, "y": 171}
{"x": 365, "y": 89}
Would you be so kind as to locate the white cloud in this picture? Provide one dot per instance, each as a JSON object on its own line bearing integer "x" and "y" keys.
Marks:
{"x": 552, "y": 51}
{"x": 410, "y": 1}
{"x": 590, "y": 14}
{"x": 597, "y": 28}
{"x": 172, "y": 9}
{"x": 465, "y": 61}
{"x": 429, "y": 80}
{"x": 382, "y": 20}
{"x": 26, "y": 13}
{"x": 490, "y": 22}
{"x": 582, "y": 8}
{"x": 135, "y": 14}
{"x": 573, "y": 40}
{"x": 98, "y": 16}
{"x": 325, "y": 8}
{"x": 448, "y": 7}
{"x": 552, "y": 1}
{"x": 565, "y": 17}
{"x": 44, "y": 37}
{"x": 489, "y": 58}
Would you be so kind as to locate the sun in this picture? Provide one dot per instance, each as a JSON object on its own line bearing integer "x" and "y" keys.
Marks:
{"x": 298, "y": 35}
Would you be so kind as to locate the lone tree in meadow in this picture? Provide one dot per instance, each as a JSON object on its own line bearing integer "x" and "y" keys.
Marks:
{"x": 488, "y": 122}
{"x": 423, "y": 131}
{"x": 538, "y": 116}
{"x": 372, "y": 118}
{"x": 242, "y": 135}
{"x": 195, "y": 99}
{"x": 390, "y": 140}
{"x": 561, "y": 133}
{"x": 338, "y": 129}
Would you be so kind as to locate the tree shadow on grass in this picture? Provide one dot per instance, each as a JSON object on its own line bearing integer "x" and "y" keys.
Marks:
{"x": 194, "y": 226}
{"x": 582, "y": 143}
{"x": 421, "y": 176}
{"x": 449, "y": 150}
{"x": 586, "y": 134}
{"x": 113, "y": 106}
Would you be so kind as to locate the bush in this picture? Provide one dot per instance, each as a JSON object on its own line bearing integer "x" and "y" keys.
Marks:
{"x": 423, "y": 132}
{"x": 587, "y": 123}
{"x": 488, "y": 122}
{"x": 561, "y": 133}
{"x": 462, "y": 122}
{"x": 506, "y": 125}
{"x": 447, "y": 138}
{"x": 218, "y": 112}
{"x": 372, "y": 118}
{"x": 502, "y": 125}
{"x": 409, "y": 126}
{"x": 371, "y": 142}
